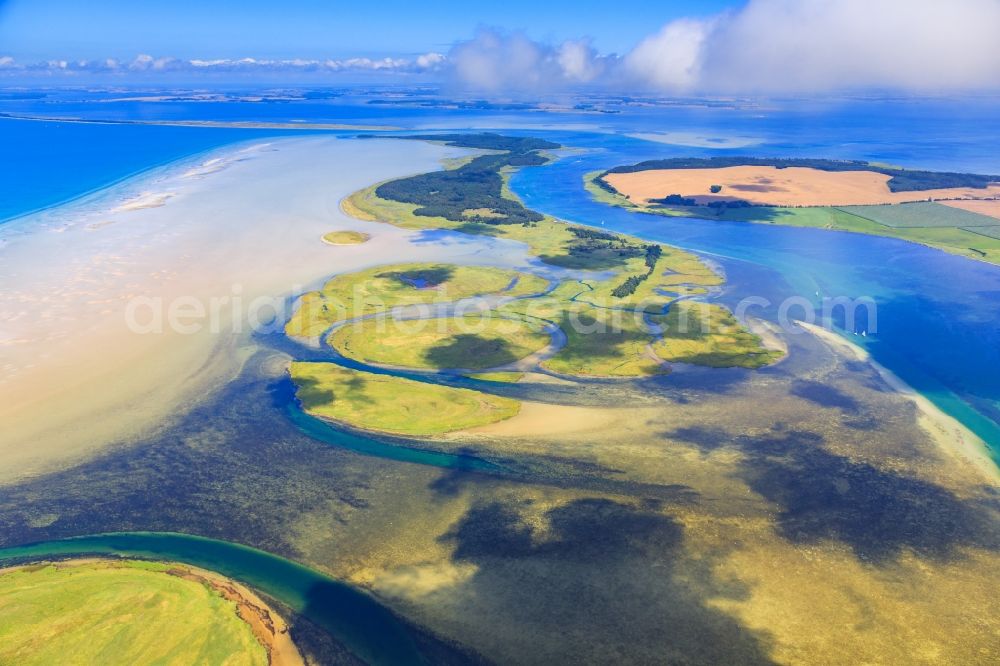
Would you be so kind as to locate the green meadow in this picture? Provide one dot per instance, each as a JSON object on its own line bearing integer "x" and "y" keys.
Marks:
{"x": 118, "y": 613}
{"x": 708, "y": 334}
{"x": 391, "y": 404}
{"x": 345, "y": 238}
{"x": 606, "y": 315}
{"x": 473, "y": 342}
{"x": 378, "y": 290}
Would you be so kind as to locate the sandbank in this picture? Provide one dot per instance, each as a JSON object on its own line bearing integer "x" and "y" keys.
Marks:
{"x": 539, "y": 419}
{"x": 951, "y": 436}
{"x": 74, "y": 378}
{"x": 144, "y": 200}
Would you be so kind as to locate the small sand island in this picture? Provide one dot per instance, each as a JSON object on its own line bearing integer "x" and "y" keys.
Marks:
{"x": 622, "y": 311}
{"x": 956, "y": 212}
{"x": 81, "y": 611}
{"x": 345, "y": 238}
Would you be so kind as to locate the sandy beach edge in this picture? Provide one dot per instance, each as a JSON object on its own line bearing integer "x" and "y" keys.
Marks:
{"x": 951, "y": 436}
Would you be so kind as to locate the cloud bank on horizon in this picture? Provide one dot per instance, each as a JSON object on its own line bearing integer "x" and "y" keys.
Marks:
{"x": 817, "y": 45}
{"x": 145, "y": 63}
{"x": 766, "y": 46}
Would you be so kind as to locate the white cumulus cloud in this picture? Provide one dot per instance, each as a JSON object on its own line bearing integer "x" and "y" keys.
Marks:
{"x": 500, "y": 61}
{"x": 766, "y": 46}
{"x": 820, "y": 45}
{"x": 671, "y": 58}
{"x": 579, "y": 61}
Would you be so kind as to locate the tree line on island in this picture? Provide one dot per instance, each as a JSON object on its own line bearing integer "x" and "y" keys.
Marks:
{"x": 474, "y": 191}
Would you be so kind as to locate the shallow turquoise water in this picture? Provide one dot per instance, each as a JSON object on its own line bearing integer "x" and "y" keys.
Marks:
{"x": 936, "y": 327}
{"x": 937, "y": 324}
{"x": 353, "y": 617}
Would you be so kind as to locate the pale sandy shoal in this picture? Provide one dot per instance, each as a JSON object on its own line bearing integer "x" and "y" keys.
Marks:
{"x": 791, "y": 186}
{"x": 144, "y": 200}
{"x": 539, "y": 419}
{"x": 74, "y": 378}
{"x": 988, "y": 207}
{"x": 951, "y": 436}
{"x": 769, "y": 334}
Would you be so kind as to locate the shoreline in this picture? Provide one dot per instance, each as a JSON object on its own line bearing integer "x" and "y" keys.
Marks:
{"x": 949, "y": 433}
{"x": 270, "y": 629}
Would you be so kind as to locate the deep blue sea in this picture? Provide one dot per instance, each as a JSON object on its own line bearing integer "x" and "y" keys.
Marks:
{"x": 46, "y": 163}
{"x": 938, "y": 326}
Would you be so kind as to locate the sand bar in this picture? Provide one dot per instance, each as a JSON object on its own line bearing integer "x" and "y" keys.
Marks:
{"x": 75, "y": 378}
{"x": 953, "y": 437}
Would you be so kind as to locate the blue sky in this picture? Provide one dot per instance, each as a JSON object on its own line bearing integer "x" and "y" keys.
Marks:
{"x": 527, "y": 47}
{"x": 43, "y": 29}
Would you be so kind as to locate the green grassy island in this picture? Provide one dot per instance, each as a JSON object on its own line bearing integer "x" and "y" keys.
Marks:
{"x": 394, "y": 405}
{"x": 609, "y": 313}
{"x": 708, "y": 334}
{"x": 345, "y": 238}
{"x": 121, "y": 612}
{"x": 473, "y": 342}
{"x": 379, "y": 290}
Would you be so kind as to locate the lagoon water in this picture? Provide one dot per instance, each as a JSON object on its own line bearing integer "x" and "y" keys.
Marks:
{"x": 937, "y": 324}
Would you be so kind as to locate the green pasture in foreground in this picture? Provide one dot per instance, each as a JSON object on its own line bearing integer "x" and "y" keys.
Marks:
{"x": 473, "y": 342}
{"x": 113, "y": 613}
{"x": 391, "y": 404}
{"x": 385, "y": 287}
{"x": 345, "y": 237}
{"x": 708, "y": 334}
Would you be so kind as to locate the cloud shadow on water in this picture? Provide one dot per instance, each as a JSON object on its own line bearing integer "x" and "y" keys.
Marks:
{"x": 825, "y": 496}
